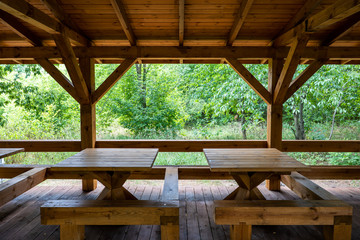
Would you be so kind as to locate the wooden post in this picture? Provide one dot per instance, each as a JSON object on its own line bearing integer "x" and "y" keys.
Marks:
{"x": 274, "y": 118}
{"x": 88, "y": 116}
{"x": 71, "y": 231}
{"x": 240, "y": 232}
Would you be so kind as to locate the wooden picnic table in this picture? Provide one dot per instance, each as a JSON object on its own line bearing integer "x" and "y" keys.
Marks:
{"x": 6, "y": 152}
{"x": 110, "y": 166}
{"x": 250, "y": 167}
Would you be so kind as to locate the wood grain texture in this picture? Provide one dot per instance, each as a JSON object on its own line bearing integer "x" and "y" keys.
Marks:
{"x": 6, "y": 152}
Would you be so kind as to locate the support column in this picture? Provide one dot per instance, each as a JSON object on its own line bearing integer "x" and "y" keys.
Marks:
{"x": 274, "y": 118}
{"x": 88, "y": 116}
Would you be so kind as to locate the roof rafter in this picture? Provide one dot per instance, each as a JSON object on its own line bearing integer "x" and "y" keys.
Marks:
{"x": 125, "y": 24}
{"x": 16, "y": 26}
{"x": 245, "y": 6}
{"x": 342, "y": 29}
{"x": 330, "y": 15}
{"x": 181, "y": 21}
{"x": 290, "y": 65}
{"x": 112, "y": 79}
{"x": 72, "y": 66}
{"x": 26, "y": 12}
{"x": 250, "y": 79}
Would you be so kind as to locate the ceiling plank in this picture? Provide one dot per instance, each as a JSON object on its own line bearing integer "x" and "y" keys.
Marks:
{"x": 16, "y": 26}
{"x": 125, "y": 24}
{"x": 181, "y": 21}
{"x": 26, "y": 12}
{"x": 334, "y": 13}
{"x": 245, "y": 6}
{"x": 290, "y": 65}
{"x": 300, "y": 80}
{"x": 250, "y": 79}
{"x": 112, "y": 79}
{"x": 341, "y": 30}
{"x": 72, "y": 66}
{"x": 60, "y": 78}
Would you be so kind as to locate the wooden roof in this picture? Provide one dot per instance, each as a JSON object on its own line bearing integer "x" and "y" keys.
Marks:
{"x": 27, "y": 23}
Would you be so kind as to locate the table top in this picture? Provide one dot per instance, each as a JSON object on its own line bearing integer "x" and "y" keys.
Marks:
{"x": 109, "y": 159}
{"x": 6, "y": 152}
{"x": 251, "y": 160}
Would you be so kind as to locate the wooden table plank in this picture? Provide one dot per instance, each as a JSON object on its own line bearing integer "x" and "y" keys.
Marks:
{"x": 6, "y": 152}
{"x": 110, "y": 159}
{"x": 251, "y": 160}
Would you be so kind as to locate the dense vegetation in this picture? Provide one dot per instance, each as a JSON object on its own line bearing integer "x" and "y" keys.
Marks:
{"x": 181, "y": 102}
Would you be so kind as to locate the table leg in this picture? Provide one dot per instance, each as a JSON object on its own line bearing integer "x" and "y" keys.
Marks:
{"x": 89, "y": 185}
{"x": 273, "y": 183}
{"x": 240, "y": 232}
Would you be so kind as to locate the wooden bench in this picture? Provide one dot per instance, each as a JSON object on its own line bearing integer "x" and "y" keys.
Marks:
{"x": 73, "y": 215}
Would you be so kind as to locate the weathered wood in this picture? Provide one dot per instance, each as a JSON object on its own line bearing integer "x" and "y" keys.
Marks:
{"x": 26, "y": 12}
{"x": 300, "y": 80}
{"x": 69, "y": 59}
{"x": 107, "y": 212}
{"x": 6, "y": 152}
{"x": 60, "y": 78}
{"x": 250, "y": 79}
{"x": 171, "y": 185}
{"x": 112, "y": 79}
{"x": 243, "y": 11}
{"x": 290, "y": 65}
{"x": 305, "y": 188}
{"x": 20, "y": 184}
{"x": 125, "y": 24}
{"x": 279, "y": 212}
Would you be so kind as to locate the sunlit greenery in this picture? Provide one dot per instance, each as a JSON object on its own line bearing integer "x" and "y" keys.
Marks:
{"x": 181, "y": 102}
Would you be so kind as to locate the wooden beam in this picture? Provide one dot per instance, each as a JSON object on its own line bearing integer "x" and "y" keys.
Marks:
{"x": 26, "y": 12}
{"x": 290, "y": 65}
{"x": 125, "y": 24}
{"x": 112, "y": 79}
{"x": 342, "y": 29}
{"x": 305, "y": 188}
{"x": 332, "y": 172}
{"x": 320, "y": 146}
{"x": 244, "y": 9}
{"x": 336, "y": 12}
{"x": 330, "y": 15}
{"x": 188, "y": 53}
{"x": 300, "y": 80}
{"x": 171, "y": 185}
{"x": 72, "y": 66}
{"x": 55, "y": 8}
{"x": 44, "y": 145}
{"x": 88, "y": 116}
{"x": 250, "y": 79}
{"x": 20, "y": 184}
{"x": 181, "y": 21}
{"x": 304, "y": 12}
{"x": 60, "y": 78}
{"x": 16, "y": 26}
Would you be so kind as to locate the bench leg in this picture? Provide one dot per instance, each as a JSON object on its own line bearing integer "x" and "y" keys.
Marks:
{"x": 273, "y": 184}
{"x": 169, "y": 228}
{"x": 89, "y": 185}
{"x": 72, "y": 232}
{"x": 341, "y": 230}
{"x": 240, "y": 232}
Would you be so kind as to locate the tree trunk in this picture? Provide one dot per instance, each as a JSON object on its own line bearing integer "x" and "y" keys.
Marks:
{"x": 141, "y": 70}
{"x": 299, "y": 131}
{"x": 242, "y": 127}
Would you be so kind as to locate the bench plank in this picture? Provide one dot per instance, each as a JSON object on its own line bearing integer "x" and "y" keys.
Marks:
{"x": 280, "y": 212}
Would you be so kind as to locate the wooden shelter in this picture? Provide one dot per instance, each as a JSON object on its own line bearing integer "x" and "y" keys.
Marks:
{"x": 83, "y": 33}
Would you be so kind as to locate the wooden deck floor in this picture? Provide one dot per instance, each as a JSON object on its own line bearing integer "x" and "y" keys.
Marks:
{"x": 20, "y": 218}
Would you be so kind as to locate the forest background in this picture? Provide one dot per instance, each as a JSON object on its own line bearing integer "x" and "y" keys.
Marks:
{"x": 180, "y": 102}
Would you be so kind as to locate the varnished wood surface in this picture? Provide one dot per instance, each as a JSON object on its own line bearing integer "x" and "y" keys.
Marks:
{"x": 20, "y": 218}
{"x": 251, "y": 160}
{"x": 6, "y": 152}
{"x": 109, "y": 159}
